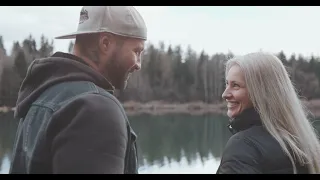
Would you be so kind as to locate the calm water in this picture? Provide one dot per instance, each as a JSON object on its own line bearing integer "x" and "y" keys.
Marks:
{"x": 166, "y": 144}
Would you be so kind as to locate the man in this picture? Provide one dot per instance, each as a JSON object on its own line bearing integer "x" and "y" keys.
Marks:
{"x": 69, "y": 120}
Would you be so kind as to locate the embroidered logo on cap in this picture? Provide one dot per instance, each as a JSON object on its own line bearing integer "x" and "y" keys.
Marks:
{"x": 83, "y": 16}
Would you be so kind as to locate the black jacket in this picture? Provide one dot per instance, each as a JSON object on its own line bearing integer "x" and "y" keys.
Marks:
{"x": 70, "y": 122}
{"x": 252, "y": 150}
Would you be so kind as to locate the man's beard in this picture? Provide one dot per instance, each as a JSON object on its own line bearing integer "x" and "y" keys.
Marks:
{"x": 116, "y": 73}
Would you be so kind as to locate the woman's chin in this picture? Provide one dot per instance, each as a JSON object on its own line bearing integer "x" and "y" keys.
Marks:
{"x": 229, "y": 114}
{"x": 232, "y": 114}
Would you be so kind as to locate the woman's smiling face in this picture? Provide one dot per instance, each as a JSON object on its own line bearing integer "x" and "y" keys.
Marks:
{"x": 236, "y": 93}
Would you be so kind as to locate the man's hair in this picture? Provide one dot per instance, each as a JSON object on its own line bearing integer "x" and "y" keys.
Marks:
{"x": 282, "y": 113}
{"x": 87, "y": 40}
{"x": 89, "y": 44}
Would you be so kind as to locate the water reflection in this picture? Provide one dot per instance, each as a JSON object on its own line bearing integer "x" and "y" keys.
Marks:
{"x": 8, "y": 127}
{"x": 166, "y": 144}
{"x": 182, "y": 140}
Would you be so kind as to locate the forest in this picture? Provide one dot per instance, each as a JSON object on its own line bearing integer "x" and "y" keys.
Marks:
{"x": 169, "y": 74}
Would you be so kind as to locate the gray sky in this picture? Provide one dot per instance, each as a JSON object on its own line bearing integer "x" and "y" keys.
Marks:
{"x": 214, "y": 29}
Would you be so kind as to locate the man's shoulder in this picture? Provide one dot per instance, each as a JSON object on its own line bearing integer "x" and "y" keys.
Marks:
{"x": 80, "y": 100}
{"x": 63, "y": 93}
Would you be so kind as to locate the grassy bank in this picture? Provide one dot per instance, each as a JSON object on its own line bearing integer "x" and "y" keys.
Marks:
{"x": 5, "y": 109}
{"x": 158, "y": 108}
{"x": 194, "y": 108}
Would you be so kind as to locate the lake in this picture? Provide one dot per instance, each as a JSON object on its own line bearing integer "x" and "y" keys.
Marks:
{"x": 178, "y": 143}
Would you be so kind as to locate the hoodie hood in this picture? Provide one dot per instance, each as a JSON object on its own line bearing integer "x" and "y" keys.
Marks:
{"x": 46, "y": 72}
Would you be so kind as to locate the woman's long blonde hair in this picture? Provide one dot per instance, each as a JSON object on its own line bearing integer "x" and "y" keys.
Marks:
{"x": 282, "y": 113}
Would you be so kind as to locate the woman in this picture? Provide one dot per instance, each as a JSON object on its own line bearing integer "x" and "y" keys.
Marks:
{"x": 271, "y": 131}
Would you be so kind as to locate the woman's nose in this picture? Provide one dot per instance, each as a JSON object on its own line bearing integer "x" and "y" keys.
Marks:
{"x": 225, "y": 94}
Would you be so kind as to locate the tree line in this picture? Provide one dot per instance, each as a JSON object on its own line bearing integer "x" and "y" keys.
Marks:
{"x": 168, "y": 73}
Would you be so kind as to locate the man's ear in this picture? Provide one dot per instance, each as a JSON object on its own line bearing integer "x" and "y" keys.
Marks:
{"x": 105, "y": 43}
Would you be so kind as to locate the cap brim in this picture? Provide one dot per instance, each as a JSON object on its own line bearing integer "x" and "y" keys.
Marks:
{"x": 73, "y": 35}
{"x": 68, "y": 36}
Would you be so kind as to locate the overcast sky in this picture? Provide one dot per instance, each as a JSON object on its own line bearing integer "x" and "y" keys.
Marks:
{"x": 213, "y": 29}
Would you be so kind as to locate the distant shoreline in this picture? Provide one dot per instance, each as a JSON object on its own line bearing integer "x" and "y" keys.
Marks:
{"x": 192, "y": 108}
{"x": 158, "y": 108}
{"x": 196, "y": 108}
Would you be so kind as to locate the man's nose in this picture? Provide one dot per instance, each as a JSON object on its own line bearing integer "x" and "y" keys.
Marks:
{"x": 138, "y": 66}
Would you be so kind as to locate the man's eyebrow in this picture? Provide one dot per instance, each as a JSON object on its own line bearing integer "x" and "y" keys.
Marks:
{"x": 140, "y": 48}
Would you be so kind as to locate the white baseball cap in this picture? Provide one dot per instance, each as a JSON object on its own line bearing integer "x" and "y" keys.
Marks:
{"x": 119, "y": 20}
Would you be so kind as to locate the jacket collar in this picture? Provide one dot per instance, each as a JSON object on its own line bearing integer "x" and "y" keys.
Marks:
{"x": 110, "y": 88}
{"x": 248, "y": 118}
{"x": 46, "y": 72}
